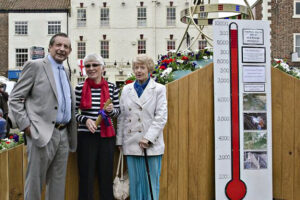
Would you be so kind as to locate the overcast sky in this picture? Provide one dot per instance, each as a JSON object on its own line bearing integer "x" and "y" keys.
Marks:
{"x": 241, "y": 2}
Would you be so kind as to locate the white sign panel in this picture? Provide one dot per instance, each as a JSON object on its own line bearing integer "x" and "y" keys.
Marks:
{"x": 242, "y": 102}
{"x": 253, "y": 55}
{"x": 254, "y": 74}
{"x": 253, "y": 36}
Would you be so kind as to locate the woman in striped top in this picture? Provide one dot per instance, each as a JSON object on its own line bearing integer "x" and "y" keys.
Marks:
{"x": 95, "y": 144}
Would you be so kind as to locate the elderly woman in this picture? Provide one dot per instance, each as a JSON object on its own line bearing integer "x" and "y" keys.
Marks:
{"x": 95, "y": 144}
{"x": 140, "y": 126}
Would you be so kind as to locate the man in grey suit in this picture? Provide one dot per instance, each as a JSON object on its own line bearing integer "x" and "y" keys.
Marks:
{"x": 42, "y": 103}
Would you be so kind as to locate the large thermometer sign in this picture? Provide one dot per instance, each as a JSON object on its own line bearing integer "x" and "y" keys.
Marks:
{"x": 242, "y": 91}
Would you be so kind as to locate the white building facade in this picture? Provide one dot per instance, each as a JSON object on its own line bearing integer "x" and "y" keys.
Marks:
{"x": 120, "y": 30}
{"x": 32, "y": 29}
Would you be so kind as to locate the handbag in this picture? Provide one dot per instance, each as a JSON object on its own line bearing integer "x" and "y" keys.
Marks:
{"x": 121, "y": 184}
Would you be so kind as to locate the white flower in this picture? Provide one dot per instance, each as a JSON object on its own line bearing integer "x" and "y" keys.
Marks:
{"x": 205, "y": 57}
{"x": 166, "y": 72}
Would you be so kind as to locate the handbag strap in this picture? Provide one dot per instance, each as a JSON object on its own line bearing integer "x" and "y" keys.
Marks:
{"x": 120, "y": 160}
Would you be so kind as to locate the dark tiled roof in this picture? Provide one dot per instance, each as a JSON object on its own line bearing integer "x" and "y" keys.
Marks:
{"x": 34, "y": 4}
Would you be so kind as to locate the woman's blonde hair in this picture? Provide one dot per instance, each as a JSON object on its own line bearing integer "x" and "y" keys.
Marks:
{"x": 144, "y": 59}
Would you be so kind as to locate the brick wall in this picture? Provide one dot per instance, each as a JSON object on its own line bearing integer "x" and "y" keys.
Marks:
{"x": 283, "y": 25}
{"x": 258, "y": 11}
{"x": 4, "y": 44}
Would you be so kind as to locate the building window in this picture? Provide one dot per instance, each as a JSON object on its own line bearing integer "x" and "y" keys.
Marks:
{"x": 80, "y": 79}
{"x": 54, "y": 27}
{"x": 141, "y": 46}
{"x": 104, "y": 49}
{"x": 81, "y": 51}
{"x": 21, "y": 28}
{"x": 142, "y": 16}
{"x": 202, "y": 44}
{"x": 104, "y": 17}
{"x": 297, "y": 44}
{"x": 297, "y": 8}
{"x": 170, "y": 45}
{"x": 171, "y": 16}
{"x": 81, "y": 17}
{"x": 21, "y": 57}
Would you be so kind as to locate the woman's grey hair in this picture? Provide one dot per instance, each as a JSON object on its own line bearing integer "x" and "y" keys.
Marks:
{"x": 93, "y": 58}
{"x": 144, "y": 59}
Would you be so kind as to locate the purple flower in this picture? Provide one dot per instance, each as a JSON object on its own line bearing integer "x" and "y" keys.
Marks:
{"x": 16, "y": 137}
{"x": 179, "y": 54}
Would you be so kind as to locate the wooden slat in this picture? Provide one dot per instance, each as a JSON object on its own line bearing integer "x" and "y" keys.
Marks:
{"x": 288, "y": 124}
{"x": 183, "y": 138}
{"x": 173, "y": 140}
{"x": 15, "y": 173}
{"x": 297, "y": 140}
{"x": 163, "y": 193}
{"x": 277, "y": 108}
{"x": 209, "y": 132}
{"x": 4, "y": 183}
{"x": 72, "y": 178}
{"x": 193, "y": 136}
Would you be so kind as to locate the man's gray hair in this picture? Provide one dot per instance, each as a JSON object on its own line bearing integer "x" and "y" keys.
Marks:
{"x": 93, "y": 58}
{"x": 1, "y": 112}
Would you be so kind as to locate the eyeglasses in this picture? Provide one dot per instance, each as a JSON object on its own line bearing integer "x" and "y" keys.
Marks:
{"x": 89, "y": 65}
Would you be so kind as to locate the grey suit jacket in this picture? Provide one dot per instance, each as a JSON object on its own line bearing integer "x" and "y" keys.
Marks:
{"x": 33, "y": 102}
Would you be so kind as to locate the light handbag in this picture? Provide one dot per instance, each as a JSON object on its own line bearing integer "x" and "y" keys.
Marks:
{"x": 121, "y": 184}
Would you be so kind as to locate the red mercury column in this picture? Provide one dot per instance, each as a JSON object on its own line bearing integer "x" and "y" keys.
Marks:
{"x": 235, "y": 188}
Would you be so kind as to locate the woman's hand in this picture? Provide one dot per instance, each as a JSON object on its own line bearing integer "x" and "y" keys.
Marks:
{"x": 109, "y": 108}
{"x": 91, "y": 125}
{"x": 144, "y": 143}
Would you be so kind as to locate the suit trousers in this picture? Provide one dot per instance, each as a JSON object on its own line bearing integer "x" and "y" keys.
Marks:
{"x": 95, "y": 154}
{"x": 47, "y": 164}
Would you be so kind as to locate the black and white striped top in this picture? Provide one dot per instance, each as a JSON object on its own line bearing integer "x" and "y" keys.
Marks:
{"x": 83, "y": 115}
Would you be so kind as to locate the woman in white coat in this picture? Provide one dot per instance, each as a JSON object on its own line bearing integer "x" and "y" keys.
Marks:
{"x": 140, "y": 125}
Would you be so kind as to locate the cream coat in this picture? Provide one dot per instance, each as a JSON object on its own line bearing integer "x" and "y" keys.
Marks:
{"x": 143, "y": 117}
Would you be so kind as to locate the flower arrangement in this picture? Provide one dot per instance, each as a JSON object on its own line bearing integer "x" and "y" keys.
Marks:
{"x": 12, "y": 141}
{"x": 172, "y": 62}
{"x": 283, "y": 66}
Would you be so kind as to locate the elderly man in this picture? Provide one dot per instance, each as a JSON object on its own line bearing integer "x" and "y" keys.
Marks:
{"x": 42, "y": 103}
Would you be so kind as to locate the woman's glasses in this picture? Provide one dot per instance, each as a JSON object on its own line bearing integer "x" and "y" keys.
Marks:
{"x": 89, "y": 65}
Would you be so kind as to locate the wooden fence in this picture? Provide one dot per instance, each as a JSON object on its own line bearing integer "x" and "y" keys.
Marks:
{"x": 188, "y": 163}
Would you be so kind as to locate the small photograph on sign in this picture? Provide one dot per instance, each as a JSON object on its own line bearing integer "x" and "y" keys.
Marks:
{"x": 254, "y": 87}
{"x": 255, "y": 140}
{"x": 253, "y": 36}
{"x": 253, "y": 54}
{"x": 254, "y": 74}
{"x": 255, "y": 121}
{"x": 254, "y": 102}
{"x": 255, "y": 160}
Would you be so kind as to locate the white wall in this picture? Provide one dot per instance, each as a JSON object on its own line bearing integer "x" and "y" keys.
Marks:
{"x": 123, "y": 32}
{"x": 37, "y": 32}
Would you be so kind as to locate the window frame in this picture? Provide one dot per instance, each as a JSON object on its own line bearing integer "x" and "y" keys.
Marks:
{"x": 17, "y": 59}
{"x": 24, "y": 24}
{"x": 201, "y": 41}
{"x": 81, "y": 50}
{"x": 294, "y": 12}
{"x": 81, "y": 22}
{"x": 141, "y": 20}
{"x": 54, "y": 26}
{"x": 104, "y": 52}
{"x": 170, "y": 20}
{"x": 294, "y": 45}
{"x": 171, "y": 45}
{"x": 104, "y": 21}
{"x": 142, "y": 50}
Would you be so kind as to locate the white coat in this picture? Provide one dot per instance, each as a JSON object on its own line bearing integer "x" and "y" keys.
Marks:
{"x": 143, "y": 117}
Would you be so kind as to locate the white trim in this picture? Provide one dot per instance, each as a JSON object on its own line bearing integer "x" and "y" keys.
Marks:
{"x": 294, "y": 44}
